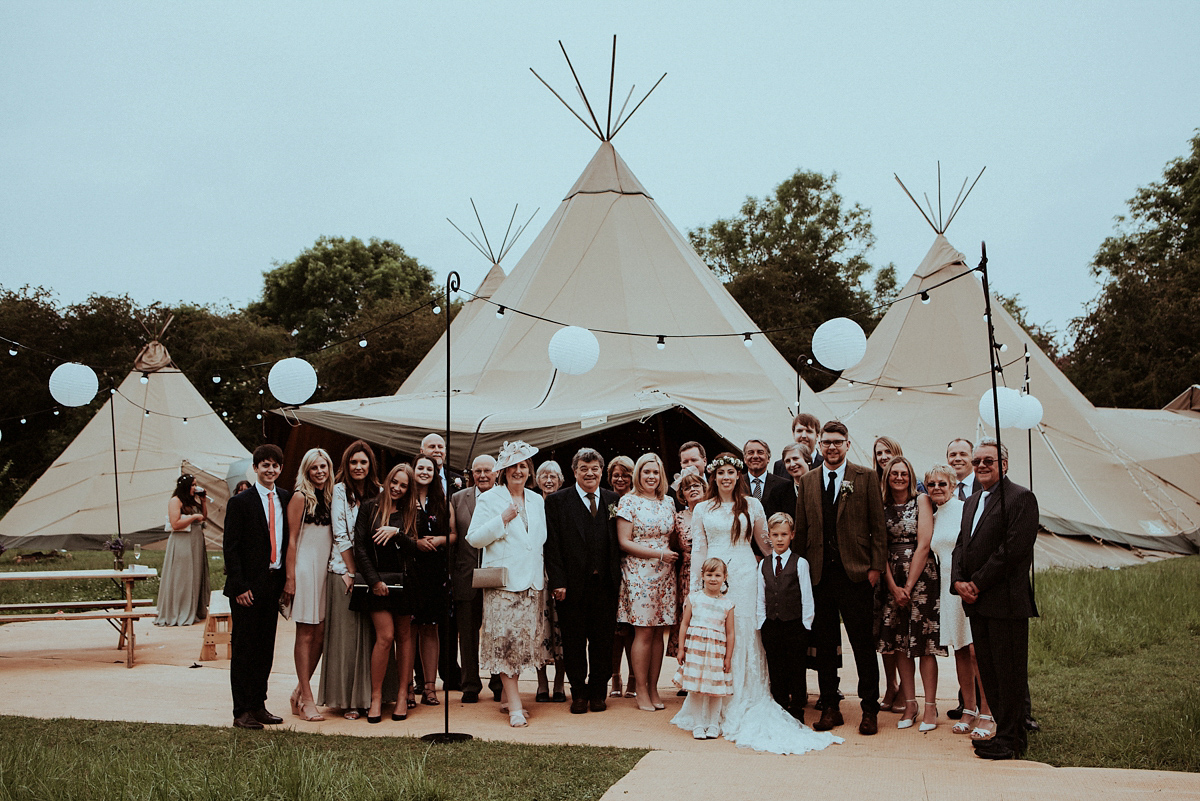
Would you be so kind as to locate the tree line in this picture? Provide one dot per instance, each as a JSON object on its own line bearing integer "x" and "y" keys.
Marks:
{"x": 792, "y": 259}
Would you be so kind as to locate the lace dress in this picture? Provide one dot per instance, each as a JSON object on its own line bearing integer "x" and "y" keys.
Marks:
{"x": 750, "y": 718}
{"x": 909, "y": 630}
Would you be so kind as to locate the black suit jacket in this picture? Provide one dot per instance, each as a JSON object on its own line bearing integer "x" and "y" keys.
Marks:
{"x": 247, "y": 543}
{"x": 770, "y": 482}
{"x": 565, "y": 551}
{"x": 999, "y": 555}
{"x": 782, "y": 499}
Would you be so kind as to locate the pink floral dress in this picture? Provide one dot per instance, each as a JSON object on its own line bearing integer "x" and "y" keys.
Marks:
{"x": 648, "y": 589}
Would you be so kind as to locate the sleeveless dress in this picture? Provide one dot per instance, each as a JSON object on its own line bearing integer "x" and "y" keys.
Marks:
{"x": 955, "y": 630}
{"x": 703, "y": 671}
{"x": 312, "y": 562}
{"x": 648, "y": 589}
{"x": 183, "y": 593}
{"x": 430, "y": 581}
{"x": 750, "y": 718}
{"x": 912, "y": 630}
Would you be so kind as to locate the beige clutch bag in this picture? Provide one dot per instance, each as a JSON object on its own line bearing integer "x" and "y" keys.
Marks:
{"x": 489, "y": 578}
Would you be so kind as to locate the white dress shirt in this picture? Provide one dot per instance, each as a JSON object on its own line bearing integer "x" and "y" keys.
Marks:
{"x": 983, "y": 496}
{"x": 837, "y": 481}
{"x": 275, "y": 508}
{"x": 806, "y": 591}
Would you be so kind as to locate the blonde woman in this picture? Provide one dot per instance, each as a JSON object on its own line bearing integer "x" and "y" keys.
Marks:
{"x": 645, "y": 523}
{"x": 310, "y": 541}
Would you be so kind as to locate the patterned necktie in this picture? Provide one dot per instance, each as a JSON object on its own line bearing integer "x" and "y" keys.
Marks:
{"x": 778, "y": 564}
{"x": 271, "y": 522}
{"x": 592, "y": 503}
{"x": 758, "y": 488}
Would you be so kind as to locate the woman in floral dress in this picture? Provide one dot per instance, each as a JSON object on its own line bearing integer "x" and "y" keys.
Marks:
{"x": 645, "y": 521}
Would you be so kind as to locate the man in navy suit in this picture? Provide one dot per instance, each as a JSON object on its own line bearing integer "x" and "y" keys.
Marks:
{"x": 990, "y": 572}
{"x": 255, "y": 546}
{"x": 584, "y": 570}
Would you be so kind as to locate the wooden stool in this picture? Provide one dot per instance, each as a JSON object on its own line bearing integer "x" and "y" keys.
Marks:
{"x": 218, "y": 628}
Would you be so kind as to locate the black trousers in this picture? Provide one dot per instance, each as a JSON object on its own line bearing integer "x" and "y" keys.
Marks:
{"x": 448, "y": 667}
{"x": 840, "y": 600}
{"x": 253, "y": 644}
{"x": 588, "y": 622}
{"x": 786, "y": 644}
{"x": 469, "y": 615}
{"x": 1002, "y": 650}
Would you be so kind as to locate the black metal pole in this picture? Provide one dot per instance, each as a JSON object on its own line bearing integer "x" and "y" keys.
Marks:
{"x": 112, "y": 415}
{"x": 446, "y": 736}
{"x": 991, "y": 332}
{"x": 1030, "y": 431}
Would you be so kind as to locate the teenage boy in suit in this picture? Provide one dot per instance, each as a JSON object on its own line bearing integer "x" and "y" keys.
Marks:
{"x": 255, "y": 547}
{"x": 785, "y": 615}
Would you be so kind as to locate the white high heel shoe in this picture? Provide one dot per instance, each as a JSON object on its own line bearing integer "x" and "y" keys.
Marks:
{"x": 906, "y": 723}
{"x": 929, "y": 726}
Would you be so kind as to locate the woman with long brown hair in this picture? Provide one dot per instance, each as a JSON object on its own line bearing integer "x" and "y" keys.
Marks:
{"x": 429, "y": 520}
{"x": 183, "y": 594}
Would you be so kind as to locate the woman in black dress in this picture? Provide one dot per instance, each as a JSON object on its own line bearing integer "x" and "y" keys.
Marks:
{"x": 430, "y": 521}
{"x": 382, "y": 546}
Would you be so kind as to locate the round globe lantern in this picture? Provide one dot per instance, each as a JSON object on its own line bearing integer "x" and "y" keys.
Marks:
{"x": 574, "y": 350}
{"x": 839, "y": 344}
{"x": 73, "y": 384}
{"x": 292, "y": 381}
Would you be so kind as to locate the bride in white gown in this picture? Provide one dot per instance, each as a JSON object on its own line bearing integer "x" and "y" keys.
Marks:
{"x": 750, "y": 718}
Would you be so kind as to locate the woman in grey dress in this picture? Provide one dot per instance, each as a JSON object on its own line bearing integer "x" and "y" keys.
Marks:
{"x": 183, "y": 593}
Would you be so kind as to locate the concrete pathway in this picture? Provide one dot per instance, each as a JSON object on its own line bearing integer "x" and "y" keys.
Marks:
{"x": 72, "y": 669}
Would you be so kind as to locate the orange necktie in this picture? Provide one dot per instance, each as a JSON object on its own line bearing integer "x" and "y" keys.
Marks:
{"x": 271, "y": 522}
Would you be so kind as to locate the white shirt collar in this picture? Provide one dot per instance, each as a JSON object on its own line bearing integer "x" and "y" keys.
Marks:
{"x": 583, "y": 495}
{"x": 262, "y": 491}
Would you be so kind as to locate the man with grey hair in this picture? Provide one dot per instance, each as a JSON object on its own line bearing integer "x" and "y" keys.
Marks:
{"x": 468, "y": 601}
{"x": 990, "y": 572}
{"x": 583, "y": 571}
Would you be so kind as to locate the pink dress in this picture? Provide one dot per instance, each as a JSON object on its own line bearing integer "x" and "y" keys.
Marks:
{"x": 647, "y": 585}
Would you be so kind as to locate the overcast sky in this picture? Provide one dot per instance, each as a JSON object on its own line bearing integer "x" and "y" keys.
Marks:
{"x": 175, "y": 151}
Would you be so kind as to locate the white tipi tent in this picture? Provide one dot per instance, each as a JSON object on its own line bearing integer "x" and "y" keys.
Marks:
{"x": 607, "y": 260}
{"x": 1087, "y": 485}
{"x": 74, "y": 505}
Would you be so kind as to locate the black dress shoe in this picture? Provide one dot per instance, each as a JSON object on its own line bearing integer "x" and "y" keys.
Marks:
{"x": 996, "y": 753}
{"x": 470, "y": 698}
{"x": 246, "y": 721}
{"x": 558, "y": 698}
{"x": 266, "y": 718}
{"x": 542, "y": 698}
{"x": 400, "y": 717}
{"x": 579, "y": 706}
{"x": 598, "y": 704}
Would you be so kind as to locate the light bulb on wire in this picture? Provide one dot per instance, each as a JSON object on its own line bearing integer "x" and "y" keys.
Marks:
{"x": 662, "y": 342}
{"x": 746, "y": 340}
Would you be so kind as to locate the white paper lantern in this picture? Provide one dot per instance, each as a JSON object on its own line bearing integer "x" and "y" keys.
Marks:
{"x": 1031, "y": 412}
{"x": 1009, "y": 402}
{"x": 574, "y": 350}
{"x": 839, "y": 344}
{"x": 292, "y": 381}
{"x": 73, "y": 384}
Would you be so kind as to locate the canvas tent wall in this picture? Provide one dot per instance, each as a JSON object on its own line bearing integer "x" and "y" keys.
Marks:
{"x": 73, "y": 504}
{"x": 607, "y": 259}
{"x": 1087, "y": 483}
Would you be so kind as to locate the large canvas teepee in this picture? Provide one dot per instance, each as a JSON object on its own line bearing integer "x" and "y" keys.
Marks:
{"x": 1087, "y": 482}
{"x": 74, "y": 503}
{"x": 608, "y": 259}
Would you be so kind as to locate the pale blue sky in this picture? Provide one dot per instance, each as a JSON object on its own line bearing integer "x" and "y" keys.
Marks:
{"x": 173, "y": 151}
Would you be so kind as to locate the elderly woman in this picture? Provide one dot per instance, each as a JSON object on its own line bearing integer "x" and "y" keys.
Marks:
{"x": 942, "y": 481}
{"x": 910, "y": 616}
{"x": 620, "y": 478}
{"x": 509, "y": 525}
{"x": 645, "y": 523}
{"x": 692, "y": 489}
{"x": 183, "y": 594}
{"x": 549, "y": 480}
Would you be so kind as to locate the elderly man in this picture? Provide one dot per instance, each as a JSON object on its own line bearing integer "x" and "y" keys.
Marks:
{"x": 757, "y": 455}
{"x": 468, "y": 601}
{"x": 990, "y": 572}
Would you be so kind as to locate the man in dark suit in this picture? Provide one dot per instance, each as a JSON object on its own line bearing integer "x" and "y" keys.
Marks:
{"x": 468, "y": 601}
{"x": 840, "y": 530}
{"x": 958, "y": 456}
{"x": 805, "y": 430}
{"x": 255, "y": 547}
{"x": 584, "y": 574}
{"x": 756, "y": 453}
{"x": 783, "y": 495}
{"x": 990, "y": 570}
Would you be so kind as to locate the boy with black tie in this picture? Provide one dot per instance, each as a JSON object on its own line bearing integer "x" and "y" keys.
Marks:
{"x": 785, "y": 616}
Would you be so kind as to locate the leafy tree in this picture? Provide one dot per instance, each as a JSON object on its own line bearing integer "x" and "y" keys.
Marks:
{"x": 1043, "y": 335}
{"x": 1139, "y": 343}
{"x": 319, "y": 292}
{"x": 796, "y": 259}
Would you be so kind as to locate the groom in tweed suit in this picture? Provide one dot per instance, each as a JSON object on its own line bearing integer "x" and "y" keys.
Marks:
{"x": 840, "y": 531}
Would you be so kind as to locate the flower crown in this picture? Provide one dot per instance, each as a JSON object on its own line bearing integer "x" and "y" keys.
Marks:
{"x": 722, "y": 461}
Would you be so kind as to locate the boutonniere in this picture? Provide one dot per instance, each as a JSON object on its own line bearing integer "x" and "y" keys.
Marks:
{"x": 847, "y": 489}
{"x": 612, "y": 510}
{"x": 458, "y": 483}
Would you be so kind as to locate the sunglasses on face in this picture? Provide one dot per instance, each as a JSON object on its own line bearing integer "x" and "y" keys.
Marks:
{"x": 986, "y": 461}
{"x": 937, "y": 483}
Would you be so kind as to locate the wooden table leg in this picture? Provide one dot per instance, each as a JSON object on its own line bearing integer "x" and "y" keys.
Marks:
{"x": 127, "y": 637}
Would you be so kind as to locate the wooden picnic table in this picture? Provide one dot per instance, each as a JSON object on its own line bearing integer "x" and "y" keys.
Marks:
{"x": 124, "y": 613}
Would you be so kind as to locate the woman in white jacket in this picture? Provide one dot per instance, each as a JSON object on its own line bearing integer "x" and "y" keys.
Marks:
{"x": 509, "y": 526}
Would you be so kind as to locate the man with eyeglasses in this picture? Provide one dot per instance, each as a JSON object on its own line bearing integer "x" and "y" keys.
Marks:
{"x": 840, "y": 531}
{"x": 990, "y": 572}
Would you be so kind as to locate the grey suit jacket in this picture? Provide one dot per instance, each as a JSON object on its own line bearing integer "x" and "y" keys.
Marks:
{"x": 466, "y": 557}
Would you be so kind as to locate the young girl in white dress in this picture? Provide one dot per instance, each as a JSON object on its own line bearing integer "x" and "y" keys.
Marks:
{"x": 706, "y": 656}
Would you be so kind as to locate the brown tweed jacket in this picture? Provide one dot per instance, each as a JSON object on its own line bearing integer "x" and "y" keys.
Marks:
{"x": 861, "y": 534}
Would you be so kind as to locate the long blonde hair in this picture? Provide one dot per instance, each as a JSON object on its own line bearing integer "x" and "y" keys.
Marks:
{"x": 305, "y": 486}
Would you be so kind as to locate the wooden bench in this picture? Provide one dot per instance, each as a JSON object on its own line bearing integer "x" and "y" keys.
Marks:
{"x": 78, "y": 606}
{"x": 218, "y": 628}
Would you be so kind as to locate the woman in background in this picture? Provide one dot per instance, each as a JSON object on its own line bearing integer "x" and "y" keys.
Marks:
{"x": 549, "y": 479}
{"x": 430, "y": 521}
{"x": 692, "y": 489}
{"x": 620, "y": 479}
{"x": 183, "y": 593}
{"x": 310, "y": 541}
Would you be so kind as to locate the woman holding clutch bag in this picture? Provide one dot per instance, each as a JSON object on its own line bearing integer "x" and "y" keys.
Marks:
{"x": 383, "y": 555}
{"x": 509, "y": 524}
